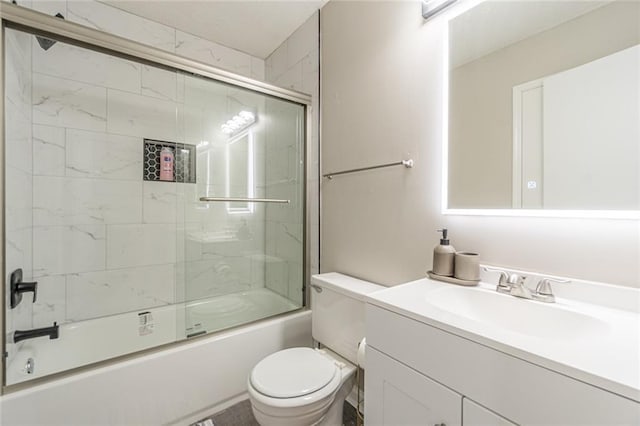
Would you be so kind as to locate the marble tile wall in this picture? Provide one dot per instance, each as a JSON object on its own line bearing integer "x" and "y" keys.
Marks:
{"x": 106, "y": 18}
{"x": 88, "y": 193}
{"x": 18, "y": 174}
{"x": 97, "y": 238}
{"x": 218, "y": 258}
{"x": 295, "y": 64}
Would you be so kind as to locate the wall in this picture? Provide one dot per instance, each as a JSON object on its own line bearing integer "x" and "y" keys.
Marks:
{"x": 382, "y": 101}
{"x": 480, "y": 127}
{"x": 295, "y": 65}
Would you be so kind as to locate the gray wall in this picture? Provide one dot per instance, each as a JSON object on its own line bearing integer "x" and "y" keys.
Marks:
{"x": 382, "y": 77}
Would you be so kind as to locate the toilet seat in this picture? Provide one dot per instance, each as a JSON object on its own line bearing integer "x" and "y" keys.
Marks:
{"x": 293, "y": 373}
{"x": 320, "y": 397}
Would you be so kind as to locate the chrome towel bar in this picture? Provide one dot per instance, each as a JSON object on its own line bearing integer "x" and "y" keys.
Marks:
{"x": 407, "y": 163}
{"x": 244, "y": 200}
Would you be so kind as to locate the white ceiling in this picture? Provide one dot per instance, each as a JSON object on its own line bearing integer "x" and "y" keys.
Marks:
{"x": 493, "y": 25}
{"x": 253, "y": 27}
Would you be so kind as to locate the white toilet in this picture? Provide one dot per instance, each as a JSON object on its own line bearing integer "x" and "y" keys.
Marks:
{"x": 304, "y": 386}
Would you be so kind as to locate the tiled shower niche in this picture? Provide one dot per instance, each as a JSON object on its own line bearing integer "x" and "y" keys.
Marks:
{"x": 184, "y": 170}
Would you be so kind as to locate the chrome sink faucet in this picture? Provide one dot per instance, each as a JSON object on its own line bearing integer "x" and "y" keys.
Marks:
{"x": 518, "y": 289}
{"x": 513, "y": 284}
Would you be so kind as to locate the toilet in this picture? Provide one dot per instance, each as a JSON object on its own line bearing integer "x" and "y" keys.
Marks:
{"x": 305, "y": 386}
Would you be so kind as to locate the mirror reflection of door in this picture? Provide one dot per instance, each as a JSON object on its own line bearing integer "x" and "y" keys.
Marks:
{"x": 562, "y": 148}
{"x": 527, "y": 145}
{"x": 578, "y": 130}
{"x": 240, "y": 172}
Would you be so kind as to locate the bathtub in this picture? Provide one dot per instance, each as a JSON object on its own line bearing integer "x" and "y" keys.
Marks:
{"x": 177, "y": 385}
{"x": 86, "y": 342}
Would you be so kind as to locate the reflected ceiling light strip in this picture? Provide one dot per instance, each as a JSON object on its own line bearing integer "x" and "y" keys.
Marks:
{"x": 432, "y": 7}
{"x": 239, "y": 122}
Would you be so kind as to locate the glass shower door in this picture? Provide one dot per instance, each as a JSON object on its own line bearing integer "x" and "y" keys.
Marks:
{"x": 82, "y": 217}
{"x": 244, "y": 215}
{"x": 148, "y": 204}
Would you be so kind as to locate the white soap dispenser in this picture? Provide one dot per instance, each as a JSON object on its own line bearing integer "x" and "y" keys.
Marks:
{"x": 443, "y": 256}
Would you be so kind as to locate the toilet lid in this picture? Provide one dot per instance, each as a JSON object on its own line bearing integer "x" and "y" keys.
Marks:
{"x": 292, "y": 373}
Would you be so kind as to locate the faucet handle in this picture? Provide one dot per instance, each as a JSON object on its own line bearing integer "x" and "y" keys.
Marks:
{"x": 515, "y": 279}
{"x": 503, "y": 282}
{"x": 544, "y": 292}
{"x": 18, "y": 287}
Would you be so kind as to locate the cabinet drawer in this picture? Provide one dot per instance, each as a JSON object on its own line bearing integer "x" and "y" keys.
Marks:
{"x": 520, "y": 391}
{"x": 396, "y": 395}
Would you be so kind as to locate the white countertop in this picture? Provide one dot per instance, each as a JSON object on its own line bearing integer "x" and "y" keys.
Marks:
{"x": 608, "y": 359}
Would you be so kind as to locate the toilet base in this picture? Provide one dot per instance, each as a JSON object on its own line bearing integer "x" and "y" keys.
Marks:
{"x": 326, "y": 413}
{"x": 335, "y": 414}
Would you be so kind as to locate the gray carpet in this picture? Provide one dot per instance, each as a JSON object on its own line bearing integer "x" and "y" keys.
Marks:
{"x": 240, "y": 414}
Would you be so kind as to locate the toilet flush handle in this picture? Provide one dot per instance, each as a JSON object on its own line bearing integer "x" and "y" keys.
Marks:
{"x": 316, "y": 288}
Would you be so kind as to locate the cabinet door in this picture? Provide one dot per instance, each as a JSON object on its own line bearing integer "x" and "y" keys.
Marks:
{"x": 476, "y": 415}
{"x": 396, "y": 395}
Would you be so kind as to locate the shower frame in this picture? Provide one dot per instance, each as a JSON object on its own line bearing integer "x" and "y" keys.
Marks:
{"x": 40, "y": 24}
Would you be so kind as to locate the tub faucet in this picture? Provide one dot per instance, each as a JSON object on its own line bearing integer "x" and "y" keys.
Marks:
{"x": 52, "y": 332}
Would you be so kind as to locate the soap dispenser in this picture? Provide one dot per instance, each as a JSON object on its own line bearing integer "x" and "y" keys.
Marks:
{"x": 443, "y": 256}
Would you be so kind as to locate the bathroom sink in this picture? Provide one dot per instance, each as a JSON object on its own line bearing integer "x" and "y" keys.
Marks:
{"x": 579, "y": 336}
{"x": 531, "y": 318}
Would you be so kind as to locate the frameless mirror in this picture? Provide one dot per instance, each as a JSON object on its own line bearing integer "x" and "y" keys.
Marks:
{"x": 544, "y": 106}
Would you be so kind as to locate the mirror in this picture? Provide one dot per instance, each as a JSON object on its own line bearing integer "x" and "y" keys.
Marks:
{"x": 544, "y": 106}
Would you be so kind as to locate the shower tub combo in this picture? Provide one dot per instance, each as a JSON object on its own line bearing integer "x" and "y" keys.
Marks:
{"x": 168, "y": 254}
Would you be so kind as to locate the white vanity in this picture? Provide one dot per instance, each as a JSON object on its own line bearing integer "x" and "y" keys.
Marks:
{"x": 439, "y": 354}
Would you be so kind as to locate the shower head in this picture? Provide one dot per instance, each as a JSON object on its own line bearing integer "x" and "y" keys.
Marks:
{"x": 46, "y": 43}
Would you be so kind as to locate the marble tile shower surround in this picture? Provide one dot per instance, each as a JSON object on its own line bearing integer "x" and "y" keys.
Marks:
{"x": 18, "y": 198}
{"x": 122, "y": 246}
{"x": 294, "y": 64}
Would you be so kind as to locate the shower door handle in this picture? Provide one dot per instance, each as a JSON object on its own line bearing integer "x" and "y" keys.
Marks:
{"x": 18, "y": 287}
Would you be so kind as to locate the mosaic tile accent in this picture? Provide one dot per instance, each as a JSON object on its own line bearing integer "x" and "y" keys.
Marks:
{"x": 184, "y": 161}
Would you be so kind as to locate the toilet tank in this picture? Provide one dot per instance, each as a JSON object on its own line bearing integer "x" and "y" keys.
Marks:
{"x": 337, "y": 311}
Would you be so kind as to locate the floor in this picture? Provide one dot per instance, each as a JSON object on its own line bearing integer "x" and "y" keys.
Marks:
{"x": 240, "y": 415}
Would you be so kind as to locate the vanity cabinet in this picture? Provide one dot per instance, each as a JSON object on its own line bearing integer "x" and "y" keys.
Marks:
{"x": 397, "y": 395}
{"x": 421, "y": 373}
{"x": 477, "y": 415}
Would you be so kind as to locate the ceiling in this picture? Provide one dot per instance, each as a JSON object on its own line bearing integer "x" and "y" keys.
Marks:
{"x": 253, "y": 27}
